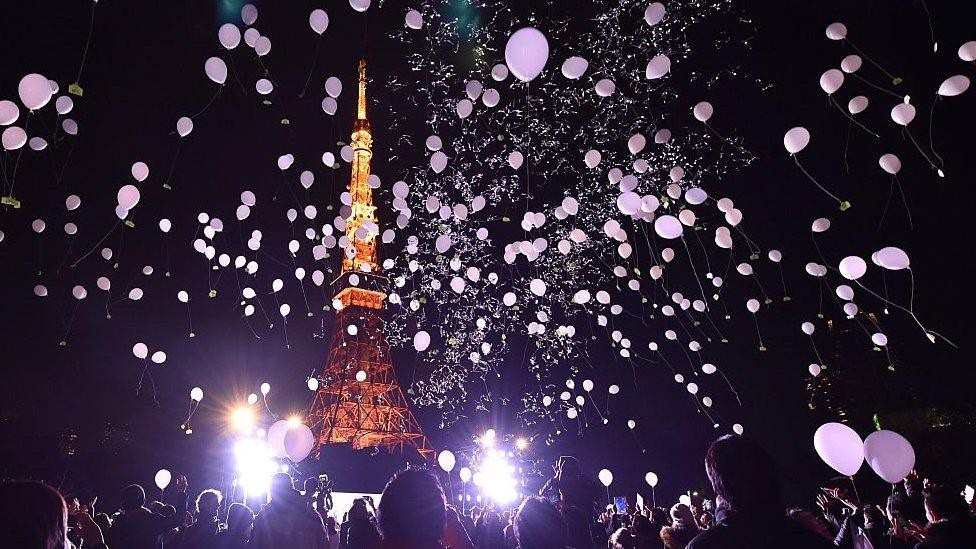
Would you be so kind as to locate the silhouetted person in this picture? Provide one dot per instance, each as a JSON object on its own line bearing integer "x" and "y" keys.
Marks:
{"x": 358, "y": 532}
{"x": 749, "y": 509}
{"x": 287, "y": 521}
{"x": 683, "y": 527}
{"x": 538, "y": 525}
{"x": 203, "y": 532}
{"x": 136, "y": 527}
{"x": 413, "y": 514}
{"x": 240, "y": 523}
{"x": 950, "y": 523}
{"x": 32, "y": 515}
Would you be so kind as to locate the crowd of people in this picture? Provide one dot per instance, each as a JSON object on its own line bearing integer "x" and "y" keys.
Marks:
{"x": 747, "y": 511}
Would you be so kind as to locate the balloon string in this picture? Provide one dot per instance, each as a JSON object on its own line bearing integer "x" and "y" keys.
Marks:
{"x": 67, "y": 160}
{"x": 908, "y": 210}
{"x": 695, "y": 271}
{"x": 910, "y": 312}
{"x": 315, "y": 59}
{"x": 71, "y": 322}
{"x": 932, "y": 123}
{"x": 917, "y": 146}
{"x": 877, "y": 87}
{"x": 928, "y": 19}
{"x": 13, "y": 177}
{"x": 233, "y": 70}
{"x": 847, "y": 145}
{"x": 815, "y": 350}
{"x": 758, "y": 333}
{"x": 782, "y": 278}
{"x": 873, "y": 62}
{"x": 851, "y": 118}
{"x": 84, "y": 55}
{"x": 82, "y": 258}
{"x": 729, "y": 383}
{"x": 212, "y": 98}
{"x": 189, "y": 318}
{"x": 815, "y": 182}
{"x": 884, "y": 212}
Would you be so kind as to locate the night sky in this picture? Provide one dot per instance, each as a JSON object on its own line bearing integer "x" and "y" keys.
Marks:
{"x": 144, "y": 70}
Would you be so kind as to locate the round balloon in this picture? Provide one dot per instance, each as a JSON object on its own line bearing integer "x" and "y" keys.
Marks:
{"x": 840, "y": 447}
{"x": 890, "y": 455}
{"x": 526, "y": 53}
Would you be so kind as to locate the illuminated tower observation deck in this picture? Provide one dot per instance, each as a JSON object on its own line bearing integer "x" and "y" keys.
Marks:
{"x": 359, "y": 401}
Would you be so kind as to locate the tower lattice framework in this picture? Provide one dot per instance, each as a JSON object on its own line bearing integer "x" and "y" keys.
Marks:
{"x": 359, "y": 400}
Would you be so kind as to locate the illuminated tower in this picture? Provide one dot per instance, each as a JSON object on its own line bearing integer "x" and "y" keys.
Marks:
{"x": 359, "y": 401}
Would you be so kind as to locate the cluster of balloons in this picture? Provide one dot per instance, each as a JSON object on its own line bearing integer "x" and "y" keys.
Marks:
{"x": 888, "y": 453}
{"x": 291, "y": 439}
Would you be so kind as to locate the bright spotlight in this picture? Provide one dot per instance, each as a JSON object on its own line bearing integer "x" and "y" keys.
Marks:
{"x": 294, "y": 421}
{"x": 521, "y": 443}
{"x": 242, "y": 419}
{"x": 488, "y": 438}
{"x": 496, "y": 476}
{"x": 254, "y": 465}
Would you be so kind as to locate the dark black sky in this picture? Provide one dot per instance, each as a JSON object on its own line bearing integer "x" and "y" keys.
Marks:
{"x": 144, "y": 70}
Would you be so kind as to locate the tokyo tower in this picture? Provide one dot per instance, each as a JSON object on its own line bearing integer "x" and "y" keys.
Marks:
{"x": 359, "y": 401}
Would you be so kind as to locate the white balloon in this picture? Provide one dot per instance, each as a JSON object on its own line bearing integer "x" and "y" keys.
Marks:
{"x": 831, "y": 81}
{"x": 967, "y": 51}
{"x": 636, "y": 143}
{"x": 162, "y": 479}
{"x": 808, "y": 328}
{"x": 840, "y": 447}
{"x": 890, "y": 455}
{"x": 229, "y": 35}
{"x": 890, "y": 163}
{"x": 264, "y": 86}
{"x": 653, "y": 15}
{"x": 605, "y": 87}
{"x": 333, "y": 86}
{"x": 753, "y": 306}
{"x": 318, "y": 20}
{"x": 796, "y": 139}
{"x": 79, "y": 292}
{"x": 184, "y": 126}
{"x": 9, "y": 112}
{"x": 574, "y": 67}
{"x": 857, "y": 104}
{"x": 703, "y": 111}
{"x": 852, "y": 267}
{"x": 421, "y": 340}
{"x": 299, "y": 442}
{"x": 140, "y": 171}
{"x": 954, "y": 85}
{"x": 196, "y": 394}
{"x": 34, "y": 91}
{"x": 668, "y": 226}
{"x": 414, "y": 19}
{"x": 836, "y": 31}
{"x": 606, "y": 477}
{"x": 128, "y": 197}
{"x": 657, "y": 67}
{"x": 262, "y": 46}
{"x": 903, "y": 113}
{"x": 249, "y": 14}
{"x": 851, "y": 63}
{"x": 158, "y": 357}
{"x": 140, "y": 350}
{"x": 13, "y": 138}
{"x": 216, "y": 70}
{"x": 526, "y": 53}
{"x": 359, "y": 5}
{"x": 446, "y": 460}
{"x": 891, "y": 258}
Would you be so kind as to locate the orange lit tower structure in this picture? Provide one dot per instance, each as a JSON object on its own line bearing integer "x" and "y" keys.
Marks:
{"x": 359, "y": 401}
